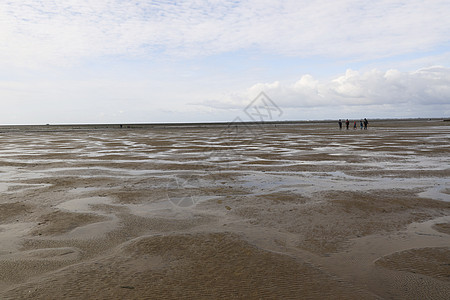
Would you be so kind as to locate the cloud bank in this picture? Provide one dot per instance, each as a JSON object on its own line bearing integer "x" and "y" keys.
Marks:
{"x": 373, "y": 91}
{"x": 35, "y": 32}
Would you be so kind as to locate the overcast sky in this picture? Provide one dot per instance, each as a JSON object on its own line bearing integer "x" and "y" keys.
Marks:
{"x": 131, "y": 61}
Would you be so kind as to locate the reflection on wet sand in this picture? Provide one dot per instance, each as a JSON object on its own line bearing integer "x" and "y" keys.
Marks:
{"x": 276, "y": 211}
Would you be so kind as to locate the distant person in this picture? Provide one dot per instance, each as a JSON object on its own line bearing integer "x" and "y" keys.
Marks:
{"x": 347, "y": 123}
{"x": 365, "y": 123}
{"x": 361, "y": 124}
{"x": 340, "y": 124}
{"x": 354, "y": 125}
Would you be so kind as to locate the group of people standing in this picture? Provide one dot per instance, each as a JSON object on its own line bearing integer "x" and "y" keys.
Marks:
{"x": 362, "y": 123}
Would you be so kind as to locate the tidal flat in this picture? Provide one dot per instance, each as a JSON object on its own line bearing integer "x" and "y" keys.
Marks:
{"x": 222, "y": 211}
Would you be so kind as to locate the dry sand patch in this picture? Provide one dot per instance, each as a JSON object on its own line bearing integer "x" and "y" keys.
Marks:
{"x": 60, "y": 222}
{"x": 325, "y": 226}
{"x": 9, "y": 212}
{"x": 443, "y": 227}
{"x": 203, "y": 266}
{"x": 433, "y": 262}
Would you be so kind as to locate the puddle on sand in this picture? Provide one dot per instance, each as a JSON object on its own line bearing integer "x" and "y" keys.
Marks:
{"x": 3, "y": 187}
{"x": 84, "y": 205}
{"x": 92, "y": 230}
{"x": 426, "y": 228}
{"x": 437, "y": 192}
{"x": 11, "y": 235}
{"x": 150, "y": 209}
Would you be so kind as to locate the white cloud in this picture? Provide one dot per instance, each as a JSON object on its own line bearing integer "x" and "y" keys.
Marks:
{"x": 36, "y": 32}
{"x": 372, "y": 90}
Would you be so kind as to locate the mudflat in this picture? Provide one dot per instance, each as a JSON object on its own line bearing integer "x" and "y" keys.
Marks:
{"x": 274, "y": 211}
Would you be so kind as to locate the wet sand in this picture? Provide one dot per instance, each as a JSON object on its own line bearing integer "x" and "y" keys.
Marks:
{"x": 280, "y": 211}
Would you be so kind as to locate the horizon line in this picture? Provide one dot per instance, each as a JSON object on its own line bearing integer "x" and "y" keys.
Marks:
{"x": 240, "y": 122}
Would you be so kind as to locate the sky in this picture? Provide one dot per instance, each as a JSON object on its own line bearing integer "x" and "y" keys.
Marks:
{"x": 135, "y": 61}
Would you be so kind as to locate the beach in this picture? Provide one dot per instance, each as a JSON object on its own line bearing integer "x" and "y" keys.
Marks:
{"x": 226, "y": 211}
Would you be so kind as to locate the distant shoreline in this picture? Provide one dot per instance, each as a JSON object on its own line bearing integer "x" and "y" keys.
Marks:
{"x": 220, "y": 124}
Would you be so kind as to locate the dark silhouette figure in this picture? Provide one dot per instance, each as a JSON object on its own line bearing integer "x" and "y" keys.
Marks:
{"x": 347, "y": 123}
{"x": 361, "y": 124}
{"x": 365, "y": 123}
{"x": 340, "y": 124}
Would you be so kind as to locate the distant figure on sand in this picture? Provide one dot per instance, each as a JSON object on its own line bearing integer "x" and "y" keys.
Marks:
{"x": 347, "y": 123}
{"x": 354, "y": 125}
{"x": 340, "y": 124}
{"x": 365, "y": 123}
{"x": 361, "y": 124}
